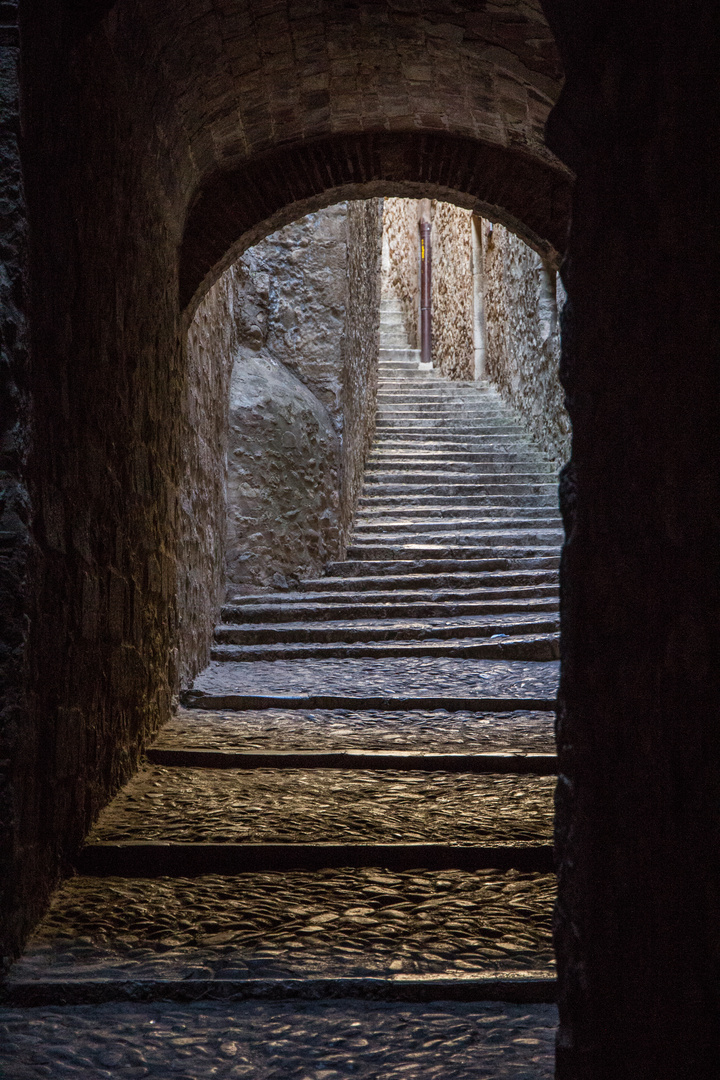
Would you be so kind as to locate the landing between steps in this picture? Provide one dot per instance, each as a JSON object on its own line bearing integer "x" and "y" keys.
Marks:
{"x": 400, "y": 682}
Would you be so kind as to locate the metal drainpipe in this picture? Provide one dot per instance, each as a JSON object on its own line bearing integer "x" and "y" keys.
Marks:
{"x": 425, "y": 295}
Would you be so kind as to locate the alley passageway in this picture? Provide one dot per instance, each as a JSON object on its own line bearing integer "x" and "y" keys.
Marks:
{"x": 337, "y": 859}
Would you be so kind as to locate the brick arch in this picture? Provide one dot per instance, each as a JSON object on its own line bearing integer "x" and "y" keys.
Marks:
{"x": 236, "y": 209}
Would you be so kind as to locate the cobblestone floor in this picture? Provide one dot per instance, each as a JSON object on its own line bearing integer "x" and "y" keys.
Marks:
{"x": 426, "y": 675}
{"x": 328, "y": 805}
{"x": 330, "y": 923}
{"x": 341, "y": 729}
{"x": 313, "y": 1041}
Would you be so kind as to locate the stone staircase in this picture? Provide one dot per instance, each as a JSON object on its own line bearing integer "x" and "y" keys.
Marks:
{"x": 337, "y": 859}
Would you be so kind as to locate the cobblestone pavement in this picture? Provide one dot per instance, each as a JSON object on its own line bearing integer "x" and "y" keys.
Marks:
{"x": 417, "y": 675}
{"x": 342, "y": 729}
{"x": 332, "y": 922}
{"x": 324, "y": 805}
{"x": 277, "y": 1041}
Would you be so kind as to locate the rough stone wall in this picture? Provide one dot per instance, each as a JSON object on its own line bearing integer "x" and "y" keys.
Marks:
{"x": 212, "y": 342}
{"x": 303, "y": 392}
{"x": 523, "y": 337}
{"x": 283, "y": 478}
{"x": 16, "y": 753}
{"x": 452, "y": 291}
{"x": 360, "y": 351}
{"x": 401, "y": 277}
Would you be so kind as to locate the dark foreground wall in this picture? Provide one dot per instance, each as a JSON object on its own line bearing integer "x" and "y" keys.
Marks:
{"x": 638, "y": 827}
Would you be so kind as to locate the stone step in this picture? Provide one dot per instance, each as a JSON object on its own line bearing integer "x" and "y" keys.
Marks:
{"x": 502, "y": 465}
{"x": 542, "y": 620}
{"x": 346, "y": 922}
{"x": 356, "y": 568}
{"x": 461, "y": 527}
{"x": 310, "y": 1027}
{"x": 453, "y": 516}
{"x": 316, "y": 730}
{"x": 493, "y": 441}
{"x": 330, "y": 808}
{"x": 428, "y": 426}
{"x": 391, "y": 595}
{"x": 386, "y": 618}
{"x": 504, "y": 532}
{"x": 395, "y": 683}
{"x": 413, "y": 502}
{"x": 471, "y": 551}
{"x": 494, "y": 487}
{"x": 408, "y": 584}
{"x": 440, "y": 455}
{"x": 382, "y": 760}
{"x": 502, "y": 646}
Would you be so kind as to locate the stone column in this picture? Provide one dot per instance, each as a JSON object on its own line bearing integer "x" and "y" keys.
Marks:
{"x": 638, "y": 804}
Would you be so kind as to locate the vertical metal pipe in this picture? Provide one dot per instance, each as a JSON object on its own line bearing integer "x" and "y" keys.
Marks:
{"x": 425, "y": 295}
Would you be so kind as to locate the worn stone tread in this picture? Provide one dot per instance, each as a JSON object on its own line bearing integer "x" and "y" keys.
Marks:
{"x": 330, "y": 923}
{"x": 399, "y": 675}
{"x": 281, "y": 1041}
{"x": 438, "y": 731}
{"x": 327, "y": 806}
{"x": 498, "y": 646}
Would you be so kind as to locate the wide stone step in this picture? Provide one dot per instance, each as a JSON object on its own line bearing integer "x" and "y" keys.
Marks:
{"x": 436, "y": 456}
{"x": 542, "y": 621}
{"x": 399, "y": 595}
{"x": 494, "y": 487}
{"x": 501, "y": 465}
{"x": 469, "y": 583}
{"x": 373, "y": 568}
{"x": 321, "y": 1028}
{"x": 441, "y": 516}
{"x": 346, "y": 922}
{"x": 547, "y": 497}
{"x": 419, "y": 732}
{"x": 360, "y": 611}
{"x": 417, "y": 550}
{"x": 397, "y": 683}
{"x": 377, "y": 760}
{"x": 501, "y": 646}
{"x": 334, "y": 807}
{"x": 506, "y": 532}
{"x": 459, "y": 526}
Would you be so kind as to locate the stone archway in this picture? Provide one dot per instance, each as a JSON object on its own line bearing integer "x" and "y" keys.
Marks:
{"x": 235, "y": 209}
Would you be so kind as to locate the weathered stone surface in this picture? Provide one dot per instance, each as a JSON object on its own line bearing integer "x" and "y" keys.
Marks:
{"x": 327, "y": 806}
{"x": 414, "y": 675}
{"x": 523, "y": 300}
{"x": 283, "y": 477}
{"x": 452, "y": 291}
{"x": 530, "y": 732}
{"x": 342, "y": 922}
{"x": 274, "y": 1041}
{"x": 303, "y": 390}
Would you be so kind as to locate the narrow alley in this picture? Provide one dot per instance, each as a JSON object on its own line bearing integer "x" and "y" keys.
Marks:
{"x": 337, "y": 860}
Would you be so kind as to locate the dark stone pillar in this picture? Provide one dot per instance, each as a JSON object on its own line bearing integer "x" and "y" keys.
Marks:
{"x": 638, "y": 805}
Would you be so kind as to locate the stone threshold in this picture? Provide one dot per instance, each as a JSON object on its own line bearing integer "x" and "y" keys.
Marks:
{"x": 395, "y": 760}
{"x": 522, "y": 987}
{"x": 148, "y": 859}
{"x": 200, "y": 699}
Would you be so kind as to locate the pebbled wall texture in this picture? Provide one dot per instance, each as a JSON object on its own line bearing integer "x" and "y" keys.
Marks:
{"x": 303, "y": 391}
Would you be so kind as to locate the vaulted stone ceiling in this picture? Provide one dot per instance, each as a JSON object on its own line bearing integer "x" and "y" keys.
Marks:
{"x": 235, "y": 82}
